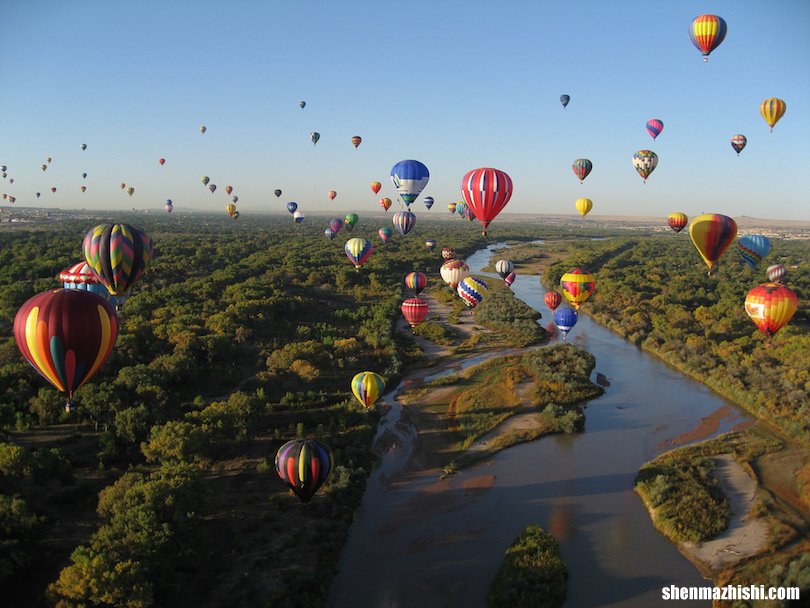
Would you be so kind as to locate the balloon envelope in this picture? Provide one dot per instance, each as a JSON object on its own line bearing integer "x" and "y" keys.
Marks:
{"x": 738, "y": 142}
{"x": 429, "y": 201}
{"x": 771, "y": 306}
{"x": 503, "y": 268}
{"x": 358, "y": 251}
{"x": 304, "y": 465}
{"x": 565, "y": 319}
{"x": 66, "y": 335}
{"x": 416, "y": 281}
{"x": 404, "y": 221}
{"x": 453, "y": 271}
{"x": 385, "y": 234}
{"x": 486, "y": 192}
{"x": 583, "y": 205}
{"x": 776, "y": 273}
{"x": 582, "y": 168}
{"x": 753, "y": 247}
{"x": 119, "y": 255}
{"x": 314, "y": 137}
{"x": 409, "y": 177}
{"x": 415, "y": 310}
{"x": 331, "y": 194}
{"x": 772, "y": 110}
{"x": 564, "y": 99}
{"x": 654, "y": 127}
{"x": 472, "y": 290}
{"x": 645, "y": 162}
{"x": 277, "y": 192}
{"x": 385, "y": 203}
{"x": 677, "y": 221}
{"x": 375, "y": 187}
{"x": 712, "y": 233}
{"x": 577, "y": 286}
{"x": 552, "y": 300}
{"x": 706, "y": 33}
{"x": 292, "y": 206}
{"x": 367, "y": 388}
{"x": 356, "y": 140}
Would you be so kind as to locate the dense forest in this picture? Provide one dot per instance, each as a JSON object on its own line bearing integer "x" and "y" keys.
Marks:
{"x": 243, "y": 335}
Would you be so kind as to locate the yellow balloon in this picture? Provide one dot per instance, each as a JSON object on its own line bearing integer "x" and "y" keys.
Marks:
{"x": 584, "y": 205}
{"x": 772, "y": 110}
{"x": 367, "y": 387}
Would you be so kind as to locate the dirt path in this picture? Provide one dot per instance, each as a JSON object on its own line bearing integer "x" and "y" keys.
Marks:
{"x": 745, "y": 535}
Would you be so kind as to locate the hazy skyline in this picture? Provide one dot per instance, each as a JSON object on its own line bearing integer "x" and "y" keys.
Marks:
{"x": 455, "y": 85}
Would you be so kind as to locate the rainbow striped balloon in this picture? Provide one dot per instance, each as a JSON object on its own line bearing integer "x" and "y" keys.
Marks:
{"x": 119, "y": 254}
{"x": 707, "y": 32}
{"x": 66, "y": 335}
{"x": 304, "y": 465}
{"x": 416, "y": 281}
{"x": 367, "y": 387}
{"x": 772, "y": 110}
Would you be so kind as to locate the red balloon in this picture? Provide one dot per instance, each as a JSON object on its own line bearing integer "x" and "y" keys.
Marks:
{"x": 486, "y": 192}
{"x": 552, "y": 299}
{"x": 415, "y": 310}
{"x": 162, "y": 161}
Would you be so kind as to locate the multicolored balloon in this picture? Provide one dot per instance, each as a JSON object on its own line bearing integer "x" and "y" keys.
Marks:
{"x": 429, "y": 202}
{"x": 564, "y": 99}
{"x": 677, "y": 221}
{"x": 645, "y": 162}
{"x": 472, "y": 290}
{"x": 416, "y": 282}
{"x": 771, "y": 306}
{"x": 304, "y": 465}
{"x": 385, "y": 234}
{"x": 66, "y": 335}
{"x": 461, "y": 208}
{"x": 503, "y": 268}
{"x": 430, "y": 244}
{"x": 582, "y": 168}
{"x": 228, "y": 190}
{"x": 385, "y": 203}
{"x": 753, "y": 247}
{"x": 336, "y": 224}
{"x": 552, "y": 300}
{"x": 356, "y": 140}
{"x": 81, "y": 276}
{"x": 453, "y": 271}
{"x": 409, "y": 177}
{"x": 375, "y": 187}
{"x": 451, "y": 207}
{"x": 509, "y": 279}
{"x": 706, "y": 33}
{"x": 119, "y": 255}
{"x": 415, "y": 311}
{"x": 367, "y": 388}
{"x": 776, "y": 273}
{"x": 738, "y": 142}
{"x": 772, "y": 110}
{"x": 577, "y": 286}
{"x": 584, "y": 206}
{"x": 329, "y": 233}
{"x": 712, "y": 233}
{"x": 448, "y": 253}
{"x": 298, "y": 216}
{"x": 358, "y": 250}
{"x": 486, "y": 192}
{"x": 404, "y": 221}
{"x": 351, "y": 219}
{"x": 654, "y": 127}
{"x": 565, "y": 319}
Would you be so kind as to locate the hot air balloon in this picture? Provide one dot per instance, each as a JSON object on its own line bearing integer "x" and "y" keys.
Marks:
{"x": 235, "y": 215}
{"x": 336, "y": 224}
{"x": 654, "y": 127}
{"x": 486, "y": 192}
{"x": 577, "y": 286}
{"x": 776, "y": 273}
{"x": 552, "y": 300}
{"x": 66, "y": 335}
{"x": 509, "y": 279}
{"x": 230, "y": 208}
{"x": 645, "y": 162}
{"x": 469, "y": 215}
{"x": 582, "y": 168}
{"x": 503, "y": 268}
{"x": 302, "y": 104}
{"x": 203, "y": 129}
{"x": 83, "y": 146}
{"x": 772, "y": 110}
{"x": 385, "y": 234}
{"x": 367, "y": 387}
{"x": 277, "y": 192}
{"x": 448, "y": 253}
{"x": 298, "y": 216}
{"x": 429, "y": 202}
{"x": 404, "y": 221}
{"x": 565, "y": 319}
{"x": 358, "y": 251}
{"x": 304, "y": 465}
{"x": 677, "y": 221}
{"x": 329, "y": 233}
{"x": 331, "y": 194}
{"x": 314, "y": 137}
{"x": 738, "y": 142}
{"x": 375, "y": 187}
{"x": 451, "y": 207}
{"x": 4, "y": 168}
{"x": 162, "y": 161}
{"x": 706, "y": 33}
{"x": 205, "y": 179}
{"x": 53, "y": 190}
{"x": 753, "y": 248}
{"x": 43, "y": 167}
{"x": 461, "y": 208}
{"x": 130, "y": 190}
{"x": 351, "y": 219}
{"x": 583, "y": 205}
{"x": 11, "y": 181}
{"x": 564, "y": 99}
{"x": 48, "y": 160}
{"x": 416, "y": 282}
{"x": 212, "y": 188}
{"x": 430, "y": 244}
{"x": 415, "y": 311}
{"x": 228, "y": 190}
{"x": 169, "y": 207}
{"x": 84, "y": 175}
{"x": 83, "y": 188}
{"x": 119, "y": 254}
{"x": 453, "y": 271}
{"x": 235, "y": 198}
{"x": 712, "y": 233}
{"x": 385, "y": 203}
{"x": 356, "y": 140}
{"x": 410, "y": 177}
{"x": 472, "y": 290}
{"x": 81, "y": 276}
{"x": 292, "y": 206}
{"x": 771, "y": 306}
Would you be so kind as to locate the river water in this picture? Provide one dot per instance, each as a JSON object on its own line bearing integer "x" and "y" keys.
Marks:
{"x": 418, "y": 542}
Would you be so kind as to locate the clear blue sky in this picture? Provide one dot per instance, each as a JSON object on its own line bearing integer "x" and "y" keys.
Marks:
{"x": 456, "y": 85}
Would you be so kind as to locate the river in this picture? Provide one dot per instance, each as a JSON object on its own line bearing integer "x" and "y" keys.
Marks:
{"x": 418, "y": 542}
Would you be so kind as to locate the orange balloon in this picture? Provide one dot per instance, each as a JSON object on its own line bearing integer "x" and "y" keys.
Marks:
{"x": 375, "y": 187}
{"x": 385, "y": 203}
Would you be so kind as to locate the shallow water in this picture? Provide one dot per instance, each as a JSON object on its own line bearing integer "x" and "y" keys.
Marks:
{"x": 424, "y": 543}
